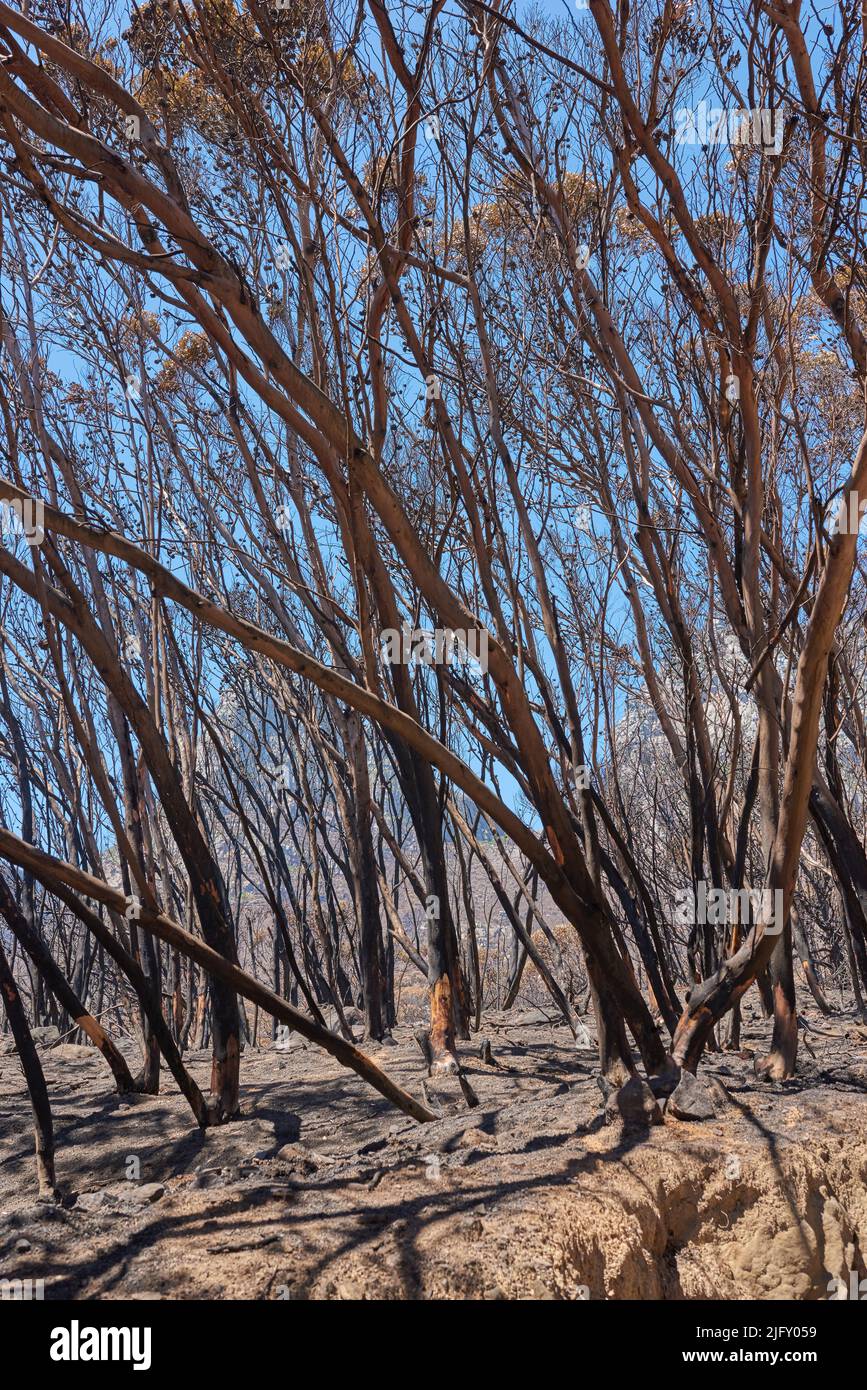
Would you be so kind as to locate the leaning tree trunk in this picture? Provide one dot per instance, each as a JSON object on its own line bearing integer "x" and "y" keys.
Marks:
{"x": 43, "y": 1127}
{"x": 208, "y": 891}
{"x": 716, "y": 996}
{"x": 62, "y": 991}
{"x": 149, "y": 1001}
{"x": 66, "y": 881}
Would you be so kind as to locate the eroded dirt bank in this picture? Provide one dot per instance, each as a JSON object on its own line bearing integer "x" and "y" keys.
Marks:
{"x": 323, "y": 1191}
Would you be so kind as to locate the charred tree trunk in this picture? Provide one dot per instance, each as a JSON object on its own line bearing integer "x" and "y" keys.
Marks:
{"x": 73, "y": 611}
{"x": 58, "y": 876}
{"x": 363, "y": 860}
{"x": 716, "y": 996}
{"x": 149, "y": 1003}
{"x": 802, "y": 946}
{"x": 62, "y": 991}
{"x": 780, "y": 1062}
{"x": 43, "y": 1126}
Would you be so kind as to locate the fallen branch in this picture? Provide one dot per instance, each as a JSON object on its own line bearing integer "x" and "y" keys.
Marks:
{"x": 49, "y": 869}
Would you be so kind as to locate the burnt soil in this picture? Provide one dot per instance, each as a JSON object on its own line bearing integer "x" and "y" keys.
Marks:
{"x": 324, "y": 1191}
